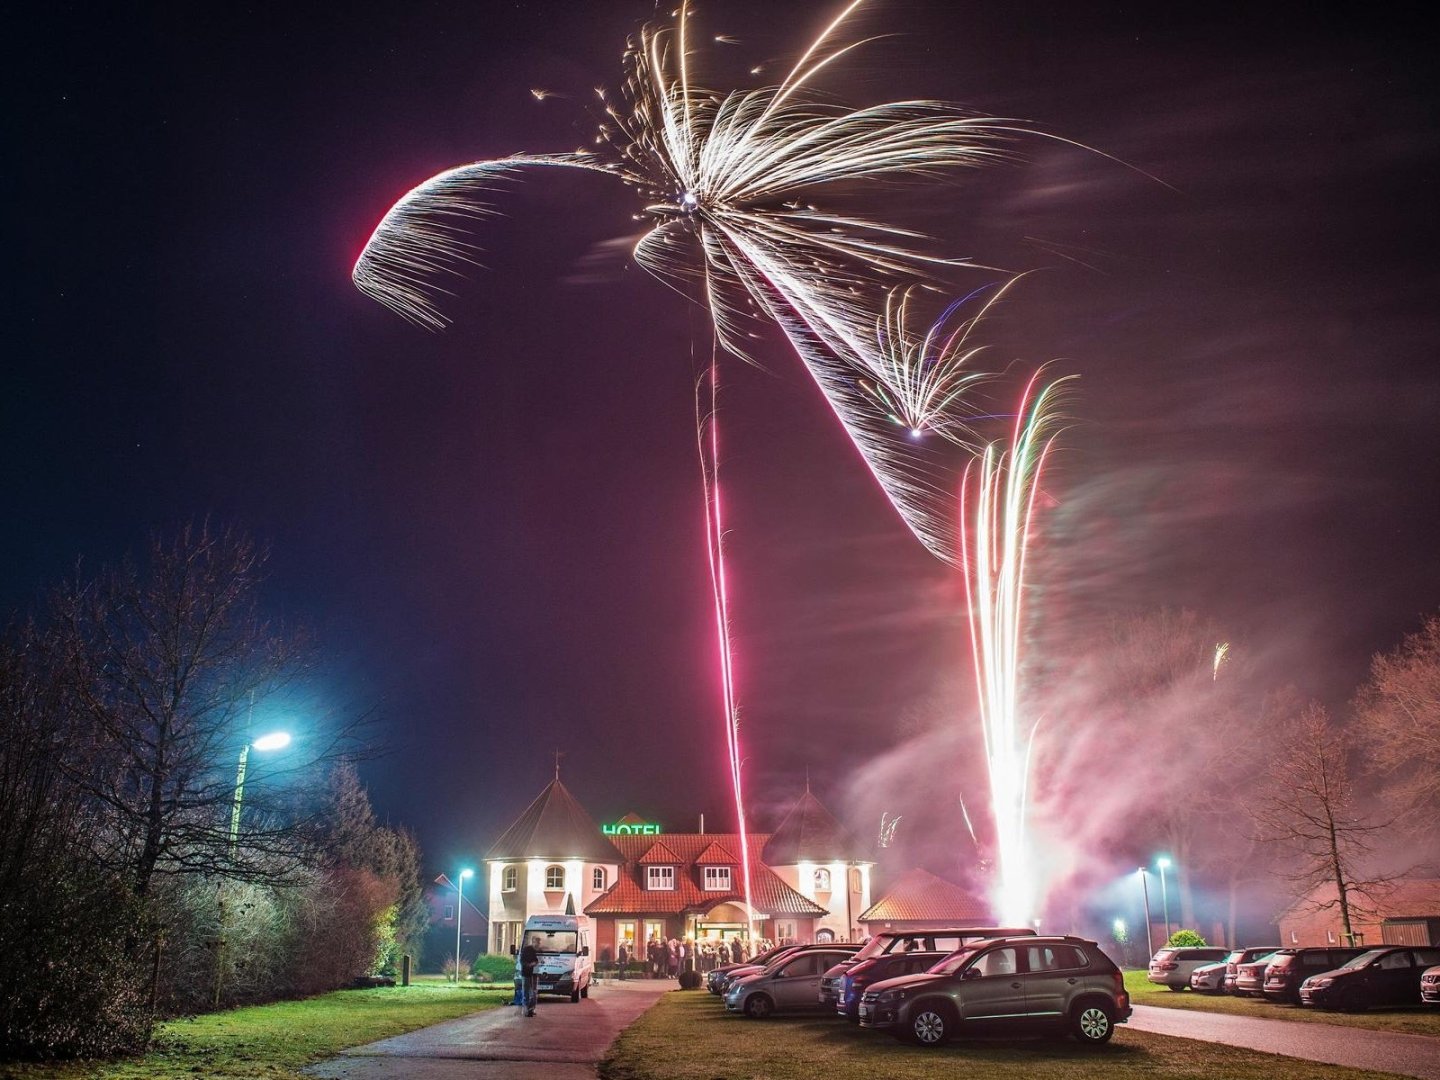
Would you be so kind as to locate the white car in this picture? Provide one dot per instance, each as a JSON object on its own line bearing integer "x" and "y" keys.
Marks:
{"x": 1209, "y": 978}
{"x": 1172, "y": 966}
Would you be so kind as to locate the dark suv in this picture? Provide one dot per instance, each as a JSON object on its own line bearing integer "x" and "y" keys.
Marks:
{"x": 1291, "y": 967}
{"x": 1385, "y": 976}
{"x": 1025, "y": 982}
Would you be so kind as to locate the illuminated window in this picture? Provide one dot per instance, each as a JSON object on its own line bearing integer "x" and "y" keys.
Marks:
{"x": 554, "y": 877}
{"x": 660, "y": 877}
{"x": 597, "y": 879}
{"x": 507, "y": 879}
{"x": 1294, "y": 938}
{"x": 822, "y": 880}
{"x": 449, "y": 912}
{"x": 1330, "y": 937}
{"x": 717, "y": 879}
{"x": 824, "y": 937}
{"x": 854, "y": 880}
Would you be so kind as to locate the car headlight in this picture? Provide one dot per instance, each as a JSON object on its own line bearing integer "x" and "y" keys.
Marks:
{"x": 889, "y": 997}
{"x": 1317, "y": 983}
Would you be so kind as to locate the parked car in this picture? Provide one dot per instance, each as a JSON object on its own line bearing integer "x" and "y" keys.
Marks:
{"x": 1172, "y": 966}
{"x": 1219, "y": 978}
{"x": 714, "y": 977}
{"x": 1055, "y": 983}
{"x": 791, "y": 984}
{"x": 890, "y": 942}
{"x": 1384, "y": 976}
{"x": 1250, "y": 978}
{"x": 842, "y": 992}
{"x": 1245, "y": 956}
{"x": 1291, "y": 967}
{"x": 775, "y": 956}
{"x": 1430, "y": 986}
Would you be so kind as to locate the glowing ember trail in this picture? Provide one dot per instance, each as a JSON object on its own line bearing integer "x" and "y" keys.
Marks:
{"x": 708, "y": 437}
{"x": 1005, "y": 485}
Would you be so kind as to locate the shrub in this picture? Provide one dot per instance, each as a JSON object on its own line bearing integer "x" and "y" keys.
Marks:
{"x": 494, "y": 966}
{"x": 1185, "y": 939}
{"x": 689, "y": 980}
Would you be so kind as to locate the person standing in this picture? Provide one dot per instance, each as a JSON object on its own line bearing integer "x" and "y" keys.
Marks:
{"x": 529, "y": 961}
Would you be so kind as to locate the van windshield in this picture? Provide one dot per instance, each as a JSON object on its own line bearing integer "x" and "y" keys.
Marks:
{"x": 552, "y": 941}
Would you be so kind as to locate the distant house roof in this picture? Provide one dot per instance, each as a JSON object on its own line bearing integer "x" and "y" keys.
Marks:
{"x": 554, "y": 826}
{"x": 920, "y": 896}
{"x": 810, "y": 833}
{"x": 628, "y": 896}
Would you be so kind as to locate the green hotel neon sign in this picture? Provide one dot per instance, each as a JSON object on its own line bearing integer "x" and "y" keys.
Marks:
{"x": 631, "y": 828}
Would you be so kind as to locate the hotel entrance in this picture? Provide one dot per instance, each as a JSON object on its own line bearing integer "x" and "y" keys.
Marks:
{"x": 724, "y": 922}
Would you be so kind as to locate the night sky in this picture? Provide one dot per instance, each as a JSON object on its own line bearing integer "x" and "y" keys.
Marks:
{"x": 496, "y": 531}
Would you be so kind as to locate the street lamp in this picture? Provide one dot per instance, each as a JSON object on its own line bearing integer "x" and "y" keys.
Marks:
{"x": 1163, "y": 863}
{"x": 276, "y": 740}
{"x": 1145, "y": 892}
{"x": 460, "y": 914}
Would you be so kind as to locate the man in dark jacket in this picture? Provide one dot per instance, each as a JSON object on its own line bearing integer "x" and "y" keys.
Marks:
{"x": 529, "y": 959}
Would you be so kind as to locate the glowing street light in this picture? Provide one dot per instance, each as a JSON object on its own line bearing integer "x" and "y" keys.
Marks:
{"x": 460, "y": 914}
{"x": 1145, "y": 892}
{"x": 276, "y": 740}
{"x": 1163, "y": 862}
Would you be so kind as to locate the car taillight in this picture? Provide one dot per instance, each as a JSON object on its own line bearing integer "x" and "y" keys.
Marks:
{"x": 1167, "y": 965}
{"x": 1118, "y": 978}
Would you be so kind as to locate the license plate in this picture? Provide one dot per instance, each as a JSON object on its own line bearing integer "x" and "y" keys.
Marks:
{"x": 547, "y": 986}
{"x": 864, "y": 1012}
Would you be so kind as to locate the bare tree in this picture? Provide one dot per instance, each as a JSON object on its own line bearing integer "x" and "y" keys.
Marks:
{"x": 1311, "y": 810}
{"x": 1399, "y": 714}
{"x": 170, "y": 656}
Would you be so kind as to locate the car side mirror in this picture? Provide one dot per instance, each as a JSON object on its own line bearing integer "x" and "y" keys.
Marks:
{"x": 971, "y": 973}
{"x": 514, "y": 951}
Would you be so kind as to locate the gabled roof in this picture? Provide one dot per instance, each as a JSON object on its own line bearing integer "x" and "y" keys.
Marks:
{"x": 628, "y": 896}
{"x": 810, "y": 833}
{"x": 554, "y": 826}
{"x": 920, "y": 896}
{"x": 659, "y": 853}
{"x": 716, "y": 854}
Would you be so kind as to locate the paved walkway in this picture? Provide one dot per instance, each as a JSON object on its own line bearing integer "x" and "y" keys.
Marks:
{"x": 1382, "y": 1051}
{"x": 560, "y": 1042}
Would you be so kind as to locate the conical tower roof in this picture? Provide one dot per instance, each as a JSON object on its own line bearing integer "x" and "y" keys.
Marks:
{"x": 810, "y": 833}
{"x": 555, "y": 826}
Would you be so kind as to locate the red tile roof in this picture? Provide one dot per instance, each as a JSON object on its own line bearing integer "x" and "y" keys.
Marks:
{"x": 920, "y": 896}
{"x": 659, "y": 854}
{"x": 628, "y": 896}
{"x": 717, "y": 855}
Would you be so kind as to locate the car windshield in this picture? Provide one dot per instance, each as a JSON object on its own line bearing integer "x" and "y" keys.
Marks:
{"x": 952, "y": 963}
{"x": 553, "y": 941}
{"x": 1363, "y": 960}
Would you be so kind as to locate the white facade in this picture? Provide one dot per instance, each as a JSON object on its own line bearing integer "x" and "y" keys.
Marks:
{"x": 522, "y": 888}
{"x": 842, "y": 888}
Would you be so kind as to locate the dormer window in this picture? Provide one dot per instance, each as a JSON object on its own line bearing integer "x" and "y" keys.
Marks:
{"x": 597, "y": 879}
{"x": 822, "y": 880}
{"x": 507, "y": 879}
{"x": 660, "y": 878}
{"x": 554, "y": 878}
{"x": 717, "y": 879}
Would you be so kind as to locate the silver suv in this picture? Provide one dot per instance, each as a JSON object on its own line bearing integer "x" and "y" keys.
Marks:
{"x": 1059, "y": 983}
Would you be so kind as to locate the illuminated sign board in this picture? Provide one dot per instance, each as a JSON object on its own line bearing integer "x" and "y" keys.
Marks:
{"x": 631, "y": 828}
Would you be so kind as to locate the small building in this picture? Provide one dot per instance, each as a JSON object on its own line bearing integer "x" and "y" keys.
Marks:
{"x": 1401, "y": 912}
{"x": 440, "y": 937}
{"x": 921, "y": 901}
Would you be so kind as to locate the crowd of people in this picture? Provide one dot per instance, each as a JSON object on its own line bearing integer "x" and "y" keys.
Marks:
{"x": 667, "y": 959}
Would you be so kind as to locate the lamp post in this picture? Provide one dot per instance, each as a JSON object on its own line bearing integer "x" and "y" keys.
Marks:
{"x": 459, "y": 915}
{"x": 276, "y": 740}
{"x": 1145, "y": 892}
{"x": 1163, "y": 863}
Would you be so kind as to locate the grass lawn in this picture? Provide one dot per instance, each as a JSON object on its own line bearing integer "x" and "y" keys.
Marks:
{"x": 689, "y": 1036}
{"x": 1419, "y": 1020}
{"x": 276, "y": 1041}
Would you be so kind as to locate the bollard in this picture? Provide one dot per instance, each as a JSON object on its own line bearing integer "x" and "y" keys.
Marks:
{"x": 405, "y": 970}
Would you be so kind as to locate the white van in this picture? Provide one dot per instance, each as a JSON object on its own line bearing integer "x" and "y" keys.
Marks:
{"x": 563, "y": 942}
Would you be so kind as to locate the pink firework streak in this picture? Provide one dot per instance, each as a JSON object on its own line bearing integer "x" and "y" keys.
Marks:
{"x": 708, "y": 430}
{"x": 1006, "y": 484}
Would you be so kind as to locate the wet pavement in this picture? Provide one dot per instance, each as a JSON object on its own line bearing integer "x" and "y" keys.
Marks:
{"x": 562, "y": 1041}
{"x": 1383, "y": 1051}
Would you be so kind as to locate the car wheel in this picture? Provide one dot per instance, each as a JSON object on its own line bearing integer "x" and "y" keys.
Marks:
{"x": 759, "y": 1006}
{"x": 1176, "y": 989}
{"x": 932, "y": 1025}
{"x": 1094, "y": 1023}
{"x": 1352, "y": 1002}
{"x": 585, "y": 991}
